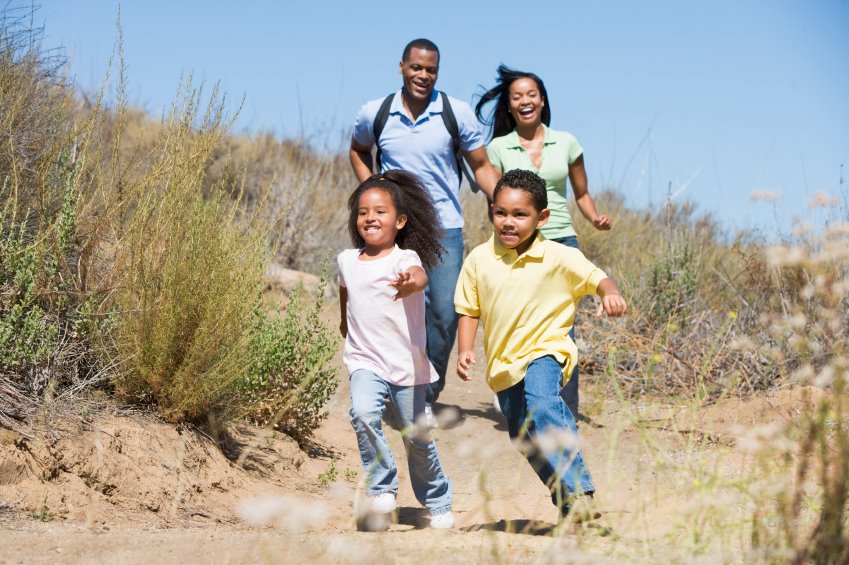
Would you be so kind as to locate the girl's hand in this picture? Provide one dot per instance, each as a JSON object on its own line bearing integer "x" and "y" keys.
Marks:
{"x": 465, "y": 360}
{"x": 602, "y": 223}
{"x": 405, "y": 284}
{"x": 613, "y": 304}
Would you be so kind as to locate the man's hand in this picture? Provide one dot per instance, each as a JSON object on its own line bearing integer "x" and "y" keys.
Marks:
{"x": 465, "y": 360}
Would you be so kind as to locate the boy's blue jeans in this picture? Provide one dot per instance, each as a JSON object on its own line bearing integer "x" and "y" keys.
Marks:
{"x": 440, "y": 316}
{"x": 370, "y": 396}
{"x": 570, "y": 391}
{"x": 533, "y": 406}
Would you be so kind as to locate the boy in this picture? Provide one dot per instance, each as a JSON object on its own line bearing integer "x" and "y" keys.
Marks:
{"x": 525, "y": 289}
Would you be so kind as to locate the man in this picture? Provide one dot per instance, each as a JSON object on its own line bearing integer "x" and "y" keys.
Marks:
{"x": 416, "y": 139}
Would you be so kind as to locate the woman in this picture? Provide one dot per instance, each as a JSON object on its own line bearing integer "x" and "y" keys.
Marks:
{"x": 521, "y": 139}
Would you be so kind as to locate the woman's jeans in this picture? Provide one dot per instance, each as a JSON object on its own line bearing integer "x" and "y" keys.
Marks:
{"x": 570, "y": 391}
{"x": 440, "y": 316}
{"x": 370, "y": 396}
{"x": 537, "y": 415}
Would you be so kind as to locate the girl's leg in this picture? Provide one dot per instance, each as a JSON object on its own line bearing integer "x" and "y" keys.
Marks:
{"x": 430, "y": 484}
{"x": 536, "y": 413}
{"x": 369, "y": 394}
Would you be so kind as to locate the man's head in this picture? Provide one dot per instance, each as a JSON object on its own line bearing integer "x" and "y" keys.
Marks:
{"x": 419, "y": 67}
{"x": 519, "y": 208}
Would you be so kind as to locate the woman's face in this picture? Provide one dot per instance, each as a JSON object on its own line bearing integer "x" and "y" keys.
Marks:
{"x": 526, "y": 102}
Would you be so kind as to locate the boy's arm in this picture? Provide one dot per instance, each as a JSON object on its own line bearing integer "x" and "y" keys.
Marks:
{"x": 611, "y": 299}
{"x": 467, "y": 328}
{"x": 407, "y": 282}
{"x": 343, "y": 307}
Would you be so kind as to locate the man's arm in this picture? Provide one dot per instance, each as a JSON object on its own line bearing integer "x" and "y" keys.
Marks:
{"x": 485, "y": 174}
{"x": 361, "y": 160}
{"x": 467, "y": 328}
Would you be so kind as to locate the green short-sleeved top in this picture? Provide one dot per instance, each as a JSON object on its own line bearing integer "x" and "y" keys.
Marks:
{"x": 560, "y": 149}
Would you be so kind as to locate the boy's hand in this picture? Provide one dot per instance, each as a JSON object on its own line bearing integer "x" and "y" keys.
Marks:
{"x": 405, "y": 284}
{"x": 465, "y": 360}
{"x": 613, "y": 304}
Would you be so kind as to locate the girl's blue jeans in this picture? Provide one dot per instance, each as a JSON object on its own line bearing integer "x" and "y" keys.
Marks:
{"x": 570, "y": 391}
{"x": 533, "y": 406}
{"x": 370, "y": 397}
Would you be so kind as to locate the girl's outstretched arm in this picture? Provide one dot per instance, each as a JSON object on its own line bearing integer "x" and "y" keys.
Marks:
{"x": 343, "y": 307}
{"x": 467, "y": 328}
{"x": 407, "y": 282}
{"x": 611, "y": 299}
{"x": 585, "y": 202}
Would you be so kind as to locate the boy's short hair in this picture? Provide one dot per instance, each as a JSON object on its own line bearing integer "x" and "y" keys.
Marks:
{"x": 530, "y": 182}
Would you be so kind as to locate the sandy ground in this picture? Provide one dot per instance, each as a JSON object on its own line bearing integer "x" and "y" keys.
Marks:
{"x": 116, "y": 489}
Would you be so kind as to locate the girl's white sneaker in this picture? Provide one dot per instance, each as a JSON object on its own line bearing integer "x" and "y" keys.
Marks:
{"x": 442, "y": 521}
{"x": 382, "y": 503}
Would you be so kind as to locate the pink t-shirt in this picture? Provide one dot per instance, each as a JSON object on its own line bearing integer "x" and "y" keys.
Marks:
{"x": 385, "y": 336}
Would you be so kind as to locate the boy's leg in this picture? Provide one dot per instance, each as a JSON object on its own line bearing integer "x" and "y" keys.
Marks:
{"x": 369, "y": 394}
{"x": 556, "y": 456}
{"x": 570, "y": 391}
{"x": 430, "y": 484}
{"x": 440, "y": 316}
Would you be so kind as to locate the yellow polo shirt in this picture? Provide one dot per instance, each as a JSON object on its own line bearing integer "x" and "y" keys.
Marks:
{"x": 525, "y": 303}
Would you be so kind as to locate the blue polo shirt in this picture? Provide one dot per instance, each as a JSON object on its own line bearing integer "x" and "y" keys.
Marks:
{"x": 423, "y": 148}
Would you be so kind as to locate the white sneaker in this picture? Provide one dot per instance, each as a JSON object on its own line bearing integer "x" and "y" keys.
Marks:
{"x": 431, "y": 419}
{"x": 442, "y": 521}
{"x": 496, "y": 404}
{"x": 382, "y": 503}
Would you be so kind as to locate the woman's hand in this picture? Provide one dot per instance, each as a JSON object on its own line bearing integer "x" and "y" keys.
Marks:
{"x": 602, "y": 223}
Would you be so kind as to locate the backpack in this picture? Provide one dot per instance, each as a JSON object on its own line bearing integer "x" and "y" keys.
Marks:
{"x": 450, "y": 124}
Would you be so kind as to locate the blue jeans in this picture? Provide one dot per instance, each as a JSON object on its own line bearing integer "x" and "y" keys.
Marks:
{"x": 534, "y": 406}
{"x": 440, "y": 316}
{"x": 370, "y": 395}
{"x": 570, "y": 391}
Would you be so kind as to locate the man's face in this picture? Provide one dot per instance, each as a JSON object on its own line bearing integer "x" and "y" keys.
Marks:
{"x": 420, "y": 71}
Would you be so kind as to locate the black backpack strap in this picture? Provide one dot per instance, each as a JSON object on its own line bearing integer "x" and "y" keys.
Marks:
{"x": 450, "y": 122}
{"x": 380, "y": 123}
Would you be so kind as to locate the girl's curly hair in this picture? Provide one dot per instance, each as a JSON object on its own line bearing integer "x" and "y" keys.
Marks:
{"x": 423, "y": 229}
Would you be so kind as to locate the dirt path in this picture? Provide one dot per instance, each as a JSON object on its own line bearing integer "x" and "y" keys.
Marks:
{"x": 647, "y": 462}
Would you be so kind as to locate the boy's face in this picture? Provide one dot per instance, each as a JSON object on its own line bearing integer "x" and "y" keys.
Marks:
{"x": 515, "y": 219}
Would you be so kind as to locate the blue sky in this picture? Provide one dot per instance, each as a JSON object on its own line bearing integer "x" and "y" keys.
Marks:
{"x": 718, "y": 98}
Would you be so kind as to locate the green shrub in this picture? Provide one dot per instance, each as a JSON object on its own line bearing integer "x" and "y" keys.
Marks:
{"x": 289, "y": 379}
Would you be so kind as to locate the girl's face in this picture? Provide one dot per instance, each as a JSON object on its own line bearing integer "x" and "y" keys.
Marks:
{"x": 378, "y": 221}
{"x": 526, "y": 102}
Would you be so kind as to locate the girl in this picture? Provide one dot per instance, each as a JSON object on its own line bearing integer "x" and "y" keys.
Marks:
{"x": 395, "y": 230}
{"x": 521, "y": 139}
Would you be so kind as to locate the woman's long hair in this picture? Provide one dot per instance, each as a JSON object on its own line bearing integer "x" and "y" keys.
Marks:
{"x": 500, "y": 118}
{"x": 423, "y": 229}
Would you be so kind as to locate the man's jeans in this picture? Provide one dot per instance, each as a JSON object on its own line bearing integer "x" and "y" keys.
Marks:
{"x": 537, "y": 415}
{"x": 370, "y": 395}
{"x": 570, "y": 391}
{"x": 440, "y": 316}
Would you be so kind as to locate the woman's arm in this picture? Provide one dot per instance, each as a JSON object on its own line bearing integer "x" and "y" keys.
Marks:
{"x": 585, "y": 202}
{"x": 343, "y": 307}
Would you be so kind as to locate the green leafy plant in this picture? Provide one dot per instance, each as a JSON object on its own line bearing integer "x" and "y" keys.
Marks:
{"x": 329, "y": 475}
